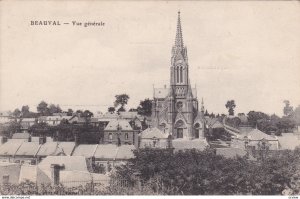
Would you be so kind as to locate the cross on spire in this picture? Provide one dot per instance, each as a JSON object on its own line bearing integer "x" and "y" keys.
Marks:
{"x": 178, "y": 39}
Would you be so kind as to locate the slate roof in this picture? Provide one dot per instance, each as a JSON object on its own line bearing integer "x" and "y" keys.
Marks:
{"x": 49, "y": 148}
{"x": 28, "y": 149}
{"x": 128, "y": 115}
{"x": 183, "y": 143}
{"x": 67, "y": 147}
{"x": 20, "y": 136}
{"x": 256, "y": 134}
{"x": 150, "y": 133}
{"x": 125, "y": 152}
{"x": 106, "y": 151}
{"x": 86, "y": 150}
{"x": 115, "y": 124}
{"x": 10, "y": 147}
{"x": 28, "y": 172}
{"x": 54, "y": 148}
{"x": 213, "y": 123}
{"x": 161, "y": 92}
{"x": 289, "y": 141}
{"x": 71, "y": 163}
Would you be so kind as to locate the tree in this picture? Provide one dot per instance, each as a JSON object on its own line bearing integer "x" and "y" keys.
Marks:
{"x": 145, "y": 107}
{"x": 54, "y": 109}
{"x": 193, "y": 172}
{"x": 121, "y": 100}
{"x": 230, "y": 105}
{"x": 25, "y": 111}
{"x": 111, "y": 109}
{"x": 255, "y": 116}
{"x": 43, "y": 109}
{"x": 287, "y": 110}
{"x": 17, "y": 113}
{"x": 70, "y": 112}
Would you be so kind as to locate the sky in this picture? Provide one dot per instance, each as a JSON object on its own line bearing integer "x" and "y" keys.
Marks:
{"x": 246, "y": 51}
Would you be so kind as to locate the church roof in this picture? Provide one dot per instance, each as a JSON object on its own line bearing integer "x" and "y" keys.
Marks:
{"x": 182, "y": 144}
{"x": 150, "y": 133}
{"x": 161, "y": 92}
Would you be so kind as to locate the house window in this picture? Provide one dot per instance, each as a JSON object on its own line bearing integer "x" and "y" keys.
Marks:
{"x": 126, "y": 136}
{"x": 110, "y": 136}
{"x": 5, "y": 179}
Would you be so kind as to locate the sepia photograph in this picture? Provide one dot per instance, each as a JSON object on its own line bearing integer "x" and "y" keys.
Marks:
{"x": 156, "y": 98}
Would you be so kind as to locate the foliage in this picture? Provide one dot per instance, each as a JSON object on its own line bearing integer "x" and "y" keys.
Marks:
{"x": 111, "y": 109}
{"x": 17, "y": 113}
{"x": 70, "y": 112}
{"x": 230, "y": 105}
{"x": 145, "y": 107}
{"x": 287, "y": 110}
{"x": 121, "y": 100}
{"x": 43, "y": 109}
{"x": 54, "y": 109}
{"x": 234, "y": 122}
{"x": 204, "y": 173}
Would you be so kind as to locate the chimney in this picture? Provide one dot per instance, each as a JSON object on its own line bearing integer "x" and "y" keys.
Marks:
{"x": 55, "y": 170}
{"x": 42, "y": 140}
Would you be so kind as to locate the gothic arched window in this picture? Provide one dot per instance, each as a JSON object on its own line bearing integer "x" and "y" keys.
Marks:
{"x": 177, "y": 74}
{"x": 180, "y": 74}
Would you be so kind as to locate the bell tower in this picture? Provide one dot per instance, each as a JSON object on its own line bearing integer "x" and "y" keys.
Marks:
{"x": 179, "y": 79}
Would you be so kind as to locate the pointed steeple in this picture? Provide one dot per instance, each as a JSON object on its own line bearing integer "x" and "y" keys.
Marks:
{"x": 178, "y": 39}
{"x": 202, "y": 106}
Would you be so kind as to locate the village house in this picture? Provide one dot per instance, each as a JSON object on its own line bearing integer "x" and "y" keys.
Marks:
{"x": 153, "y": 138}
{"x": 120, "y": 132}
{"x": 53, "y": 120}
{"x": 9, "y": 173}
{"x": 26, "y": 123}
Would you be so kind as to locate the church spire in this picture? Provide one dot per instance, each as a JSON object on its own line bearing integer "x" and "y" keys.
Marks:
{"x": 178, "y": 39}
{"x": 202, "y": 106}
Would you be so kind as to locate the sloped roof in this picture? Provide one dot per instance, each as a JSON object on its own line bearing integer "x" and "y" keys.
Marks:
{"x": 20, "y": 136}
{"x": 183, "y": 143}
{"x": 110, "y": 115}
{"x": 106, "y": 151}
{"x": 256, "y": 134}
{"x": 231, "y": 152}
{"x": 118, "y": 123}
{"x": 71, "y": 163}
{"x": 11, "y": 146}
{"x": 28, "y": 149}
{"x": 67, "y": 147}
{"x": 54, "y": 148}
{"x": 86, "y": 150}
{"x": 49, "y": 148}
{"x": 28, "y": 119}
{"x": 28, "y": 172}
{"x": 214, "y": 123}
{"x": 77, "y": 177}
{"x": 128, "y": 115}
{"x": 161, "y": 92}
{"x": 289, "y": 141}
{"x": 150, "y": 133}
{"x": 125, "y": 152}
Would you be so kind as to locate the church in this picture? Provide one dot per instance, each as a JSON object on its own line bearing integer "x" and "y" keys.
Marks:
{"x": 175, "y": 109}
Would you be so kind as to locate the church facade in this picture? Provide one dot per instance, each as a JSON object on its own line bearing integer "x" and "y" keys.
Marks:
{"x": 175, "y": 109}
